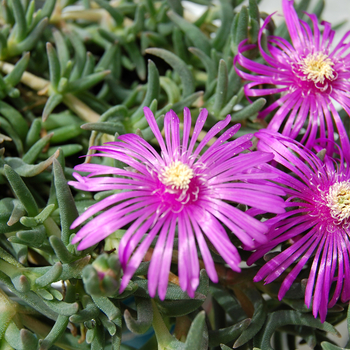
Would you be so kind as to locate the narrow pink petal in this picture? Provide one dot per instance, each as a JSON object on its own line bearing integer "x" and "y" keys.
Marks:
{"x": 311, "y": 280}
{"x": 207, "y": 259}
{"x": 193, "y": 268}
{"x": 166, "y": 261}
{"x": 210, "y": 134}
{"x": 312, "y": 243}
{"x": 111, "y": 200}
{"x": 156, "y": 261}
{"x": 139, "y": 253}
{"x": 198, "y": 128}
{"x": 186, "y": 129}
{"x": 154, "y": 127}
{"x": 184, "y": 258}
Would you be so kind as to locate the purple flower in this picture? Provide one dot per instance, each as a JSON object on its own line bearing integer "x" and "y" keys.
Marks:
{"x": 308, "y": 75}
{"x": 179, "y": 193}
{"x": 316, "y": 224}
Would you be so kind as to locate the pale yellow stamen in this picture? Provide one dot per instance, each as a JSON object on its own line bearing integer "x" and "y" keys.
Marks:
{"x": 317, "y": 67}
{"x": 338, "y": 200}
{"x": 177, "y": 175}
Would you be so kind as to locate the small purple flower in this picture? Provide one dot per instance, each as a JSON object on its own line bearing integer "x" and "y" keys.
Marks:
{"x": 179, "y": 193}
{"x": 308, "y": 75}
{"x": 316, "y": 224}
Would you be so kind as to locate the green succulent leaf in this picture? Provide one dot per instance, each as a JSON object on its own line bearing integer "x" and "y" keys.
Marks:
{"x": 194, "y": 33}
{"x": 179, "y": 66}
{"x": 288, "y": 317}
{"x": 226, "y": 16}
{"x": 228, "y": 334}
{"x": 30, "y": 170}
{"x": 240, "y": 28}
{"x": 53, "y": 101}
{"x": 32, "y": 154}
{"x": 249, "y": 111}
{"x": 258, "y": 318}
{"x": 30, "y": 40}
{"x": 117, "y": 16}
{"x": 21, "y": 191}
{"x": 56, "y": 331}
{"x": 197, "y": 338}
{"x": 54, "y": 65}
{"x": 151, "y": 94}
{"x": 68, "y": 211}
{"x": 144, "y": 316}
{"x": 329, "y": 346}
{"x": 14, "y": 77}
{"x": 52, "y": 275}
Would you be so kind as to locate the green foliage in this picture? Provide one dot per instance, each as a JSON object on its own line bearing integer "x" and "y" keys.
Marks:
{"x": 71, "y": 79}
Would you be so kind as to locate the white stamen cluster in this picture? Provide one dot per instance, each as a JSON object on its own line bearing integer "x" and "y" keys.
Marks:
{"x": 317, "y": 67}
{"x": 338, "y": 200}
{"x": 177, "y": 175}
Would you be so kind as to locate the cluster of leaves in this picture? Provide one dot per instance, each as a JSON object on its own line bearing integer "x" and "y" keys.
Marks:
{"x": 78, "y": 74}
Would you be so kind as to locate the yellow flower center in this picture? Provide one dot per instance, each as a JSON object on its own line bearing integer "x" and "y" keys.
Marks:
{"x": 317, "y": 67}
{"x": 177, "y": 175}
{"x": 338, "y": 200}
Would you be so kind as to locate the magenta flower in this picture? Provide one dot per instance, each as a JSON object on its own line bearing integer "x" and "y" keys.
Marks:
{"x": 316, "y": 224}
{"x": 308, "y": 75}
{"x": 179, "y": 193}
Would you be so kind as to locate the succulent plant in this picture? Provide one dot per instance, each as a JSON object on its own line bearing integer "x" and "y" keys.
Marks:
{"x": 77, "y": 74}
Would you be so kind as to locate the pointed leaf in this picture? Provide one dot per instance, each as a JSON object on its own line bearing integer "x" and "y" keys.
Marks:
{"x": 151, "y": 94}
{"x": 62, "y": 49}
{"x": 61, "y": 251}
{"x": 62, "y": 308}
{"x": 228, "y": 334}
{"x": 221, "y": 87}
{"x": 207, "y": 62}
{"x": 226, "y": 17}
{"x": 241, "y": 29}
{"x": 66, "y": 202}
{"x": 21, "y": 191}
{"x": 186, "y": 102}
{"x": 176, "y": 6}
{"x": 329, "y": 346}
{"x": 197, "y": 337}
{"x": 29, "y": 170}
{"x": 85, "y": 83}
{"x": 53, "y": 101}
{"x": 14, "y": 77}
{"x": 33, "y": 153}
{"x": 54, "y": 66}
{"x": 107, "y": 307}
{"x": 31, "y": 39}
{"x": 65, "y": 133}
{"x": 56, "y": 331}
{"x": 179, "y": 66}
{"x": 21, "y": 23}
{"x": 114, "y": 12}
{"x": 10, "y": 131}
{"x": 144, "y": 316}
{"x": 249, "y": 111}
{"x": 282, "y": 318}
{"x": 33, "y": 133}
{"x": 194, "y": 33}
{"x": 258, "y": 318}
{"x": 50, "y": 276}
{"x": 109, "y": 128}
{"x": 135, "y": 55}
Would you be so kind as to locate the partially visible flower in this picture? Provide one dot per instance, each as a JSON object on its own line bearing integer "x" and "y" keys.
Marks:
{"x": 316, "y": 223}
{"x": 179, "y": 193}
{"x": 308, "y": 75}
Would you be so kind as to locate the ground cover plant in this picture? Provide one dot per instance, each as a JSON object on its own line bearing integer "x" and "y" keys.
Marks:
{"x": 170, "y": 180}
